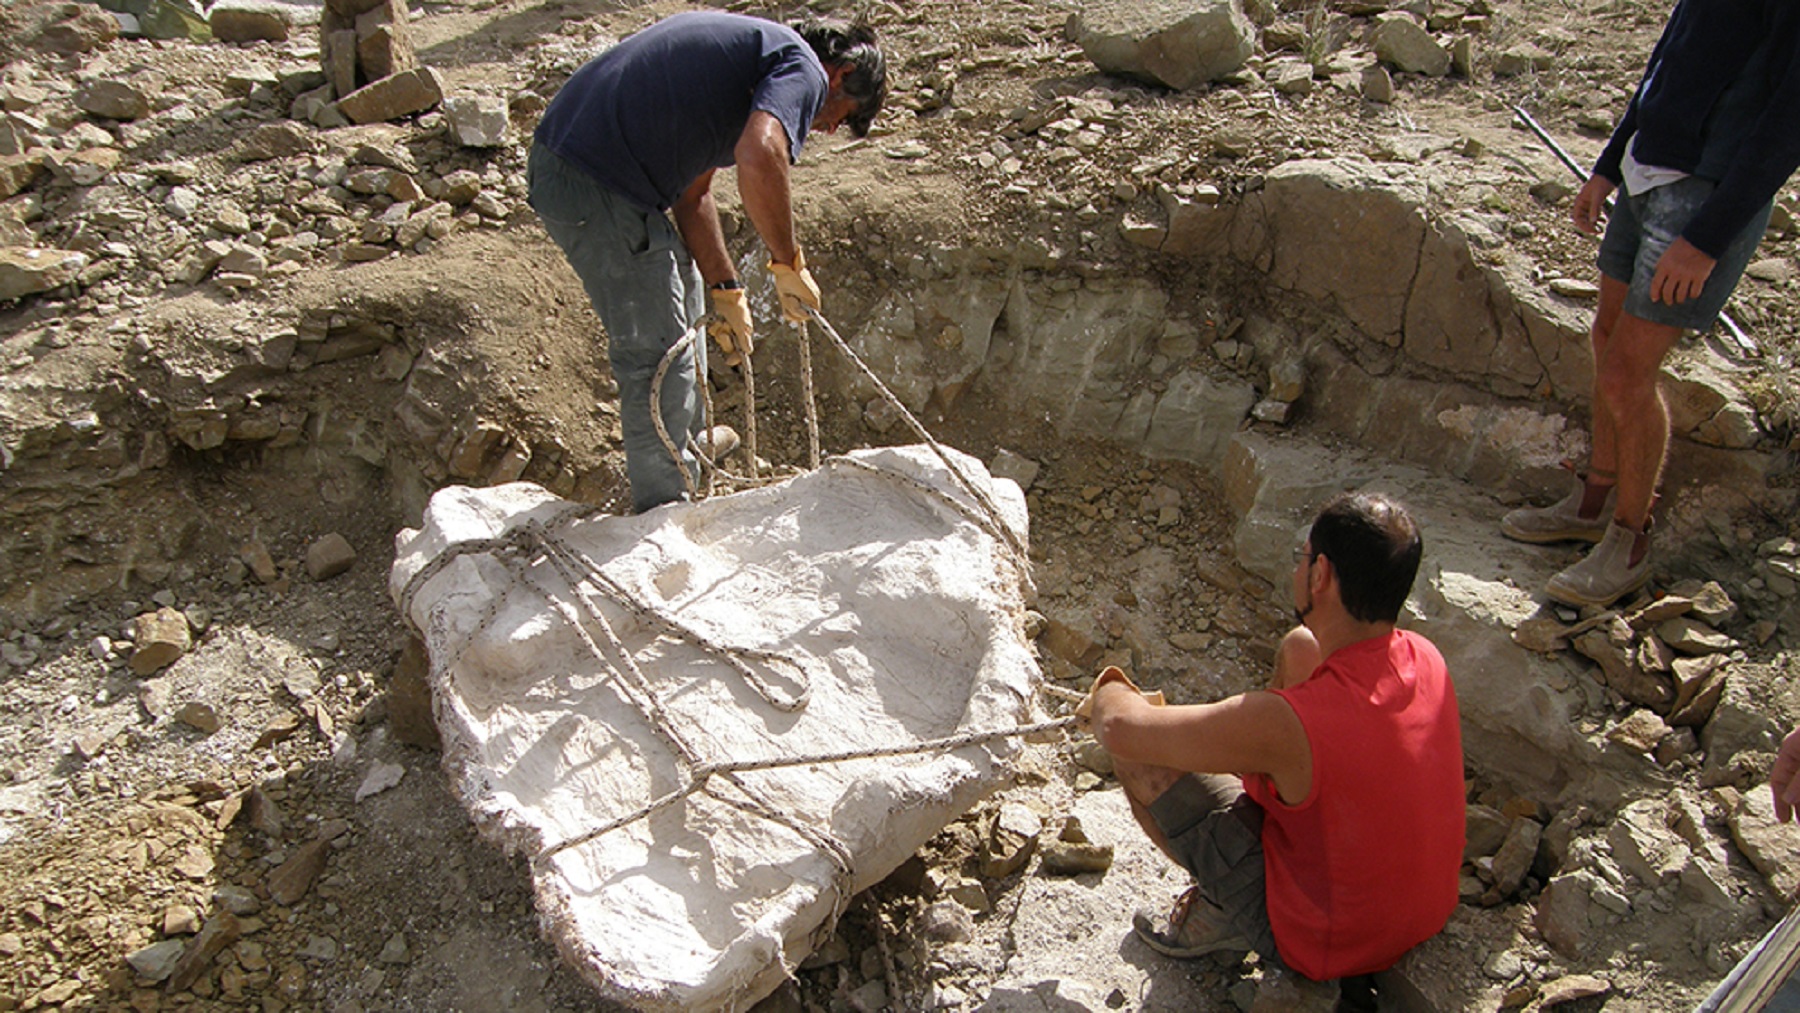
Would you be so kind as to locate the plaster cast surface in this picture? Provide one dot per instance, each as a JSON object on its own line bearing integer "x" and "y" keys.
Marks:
{"x": 894, "y": 614}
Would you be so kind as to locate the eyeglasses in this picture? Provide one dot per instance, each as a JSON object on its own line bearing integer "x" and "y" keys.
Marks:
{"x": 1304, "y": 554}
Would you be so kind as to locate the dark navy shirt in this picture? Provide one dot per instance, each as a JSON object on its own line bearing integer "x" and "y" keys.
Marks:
{"x": 1720, "y": 99}
{"x": 650, "y": 115}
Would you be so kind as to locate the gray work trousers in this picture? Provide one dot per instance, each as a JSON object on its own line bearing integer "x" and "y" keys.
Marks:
{"x": 643, "y": 284}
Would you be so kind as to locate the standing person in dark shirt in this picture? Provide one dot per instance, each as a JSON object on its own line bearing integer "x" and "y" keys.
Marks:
{"x": 639, "y": 131}
{"x": 1712, "y": 133}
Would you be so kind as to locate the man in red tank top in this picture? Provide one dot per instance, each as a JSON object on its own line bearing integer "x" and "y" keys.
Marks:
{"x": 1335, "y": 846}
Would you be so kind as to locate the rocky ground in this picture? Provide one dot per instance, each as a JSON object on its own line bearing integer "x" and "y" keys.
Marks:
{"x": 201, "y": 384}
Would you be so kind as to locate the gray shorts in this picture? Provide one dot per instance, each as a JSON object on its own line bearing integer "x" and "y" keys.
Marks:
{"x": 1215, "y": 831}
{"x": 1642, "y": 227}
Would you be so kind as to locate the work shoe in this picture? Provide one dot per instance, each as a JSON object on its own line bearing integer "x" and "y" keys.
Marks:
{"x": 1560, "y": 521}
{"x": 1605, "y": 575}
{"x": 1196, "y": 927}
{"x": 717, "y": 442}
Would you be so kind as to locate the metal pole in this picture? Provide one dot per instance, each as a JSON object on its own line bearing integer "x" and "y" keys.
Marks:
{"x": 1745, "y": 343}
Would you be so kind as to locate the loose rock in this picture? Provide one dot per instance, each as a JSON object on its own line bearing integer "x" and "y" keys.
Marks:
{"x": 199, "y": 715}
{"x": 290, "y": 882}
{"x": 380, "y": 778}
{"x": 157, "y": 961}
{"x": 220, "y": 931}
{"x": 329, "y": 556}
{"x": 161, "y": 638}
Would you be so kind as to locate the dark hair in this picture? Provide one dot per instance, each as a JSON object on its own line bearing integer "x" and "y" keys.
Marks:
{"x": 1374, "y": 548}
{"x": 852, "y": 46}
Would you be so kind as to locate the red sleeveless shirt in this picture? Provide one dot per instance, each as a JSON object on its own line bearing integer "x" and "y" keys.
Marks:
{"x": 1365, "y": 867}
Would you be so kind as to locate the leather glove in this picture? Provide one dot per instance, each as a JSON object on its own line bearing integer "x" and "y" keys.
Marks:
{"x": 795, "y": 285}
{"x": 731, "y": 330}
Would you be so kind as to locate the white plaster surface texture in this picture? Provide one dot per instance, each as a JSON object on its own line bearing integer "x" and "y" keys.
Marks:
{"x": 867, "y": 584}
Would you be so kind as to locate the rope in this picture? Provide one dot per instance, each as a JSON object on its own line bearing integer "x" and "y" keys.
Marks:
{"x": 702, "y": 454}
{"x": 517, "y": 539}
{"x": 896, "y": 995}
{"x": 807, "y": 398}
{"x": 986, "y": 522}
{"x": 656, "y": 415}
{"x": 750, "y": 412}
{"x": 567, "y": 560}
{"x": 712, "y": 469}
{"x": 1008, "y": 536}
{"x": 987, "y": 517}
{"x": 701, "y": 773}
{"x": 995, "y": 525}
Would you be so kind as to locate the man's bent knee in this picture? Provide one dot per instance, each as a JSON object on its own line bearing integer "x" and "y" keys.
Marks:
{"x": 1145, "y": 782}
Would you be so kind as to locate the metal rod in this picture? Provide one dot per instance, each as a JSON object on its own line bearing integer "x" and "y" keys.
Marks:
{"x": 1532, "y": 124}
{"x": 1745, "y": 343}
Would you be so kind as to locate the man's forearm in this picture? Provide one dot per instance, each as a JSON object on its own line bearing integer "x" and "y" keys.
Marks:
{"x": 766, "y": 202}
{"x": 698, "y": 222}
{"x": 762, "y": 168}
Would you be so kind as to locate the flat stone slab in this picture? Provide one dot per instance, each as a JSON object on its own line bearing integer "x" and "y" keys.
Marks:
{"x": 583, "y": 666}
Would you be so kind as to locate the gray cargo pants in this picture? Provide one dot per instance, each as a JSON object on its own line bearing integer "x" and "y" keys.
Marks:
{"x": 647, "y": 291}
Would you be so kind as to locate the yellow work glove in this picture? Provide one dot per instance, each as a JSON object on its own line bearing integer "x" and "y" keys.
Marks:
{"x": 731, "y": 330}
{"x": 795, "y": 285}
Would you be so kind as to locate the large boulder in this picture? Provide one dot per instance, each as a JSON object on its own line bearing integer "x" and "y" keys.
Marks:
{"x": 76, "y": 28}
{"x": 113, "y": 99}
{"x": 1176, "y": 43}
{"x": 876, "y": 602}
{"x": 256, "y": 20}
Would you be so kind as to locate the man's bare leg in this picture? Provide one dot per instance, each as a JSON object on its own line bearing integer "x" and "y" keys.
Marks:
{"x": 1627, "y": 381}
{"x": 1581, "y": 515}
{"x": 1628, "y": 394}
{"x": 1144, "y": 783}
{"x": 1603, "y": 458}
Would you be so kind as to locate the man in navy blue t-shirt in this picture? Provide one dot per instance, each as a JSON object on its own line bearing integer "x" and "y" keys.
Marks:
{"x": 633, "y": 139}
{"x": 1711, "y": 135}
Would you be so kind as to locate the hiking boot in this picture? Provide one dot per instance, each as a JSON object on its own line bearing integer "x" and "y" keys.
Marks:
{"x": 1560, "y": 521}
{"x": 1283, "y": 990}
{"x": 1605, "y": 575}
{"x": 717, "y": 442}
{"x": 1195, "y": 928}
